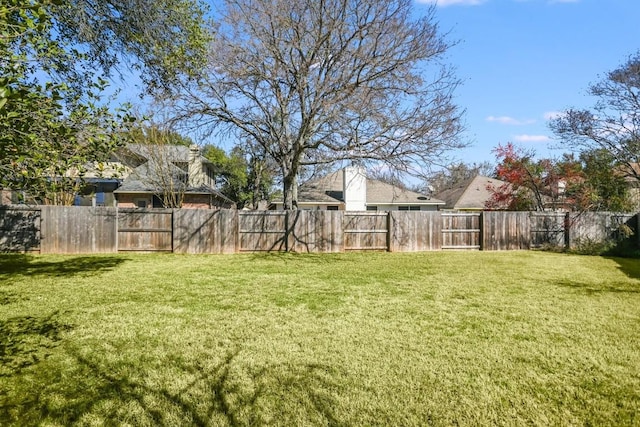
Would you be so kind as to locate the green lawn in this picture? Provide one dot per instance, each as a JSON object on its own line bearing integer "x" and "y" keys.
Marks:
{"x": 443, "y": 338}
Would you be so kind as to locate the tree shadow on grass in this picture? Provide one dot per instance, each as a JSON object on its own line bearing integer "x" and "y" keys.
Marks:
{"x": 592, "y": 289}
{"x": 26, "y": 340}
{"x": 29, "y": 265}
{"x": 227, "y": 393}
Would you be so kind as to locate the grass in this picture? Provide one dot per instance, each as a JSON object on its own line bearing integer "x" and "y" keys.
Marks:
{"x": 446, "y": 338}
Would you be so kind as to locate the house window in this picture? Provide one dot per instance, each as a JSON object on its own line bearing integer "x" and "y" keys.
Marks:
{"x": 409, "y": 208}
{"x": 372, "y": 208}
{"x": 141, "y": 203}
{"x": 332, "y": 208}
{"x": 156, "y": 202}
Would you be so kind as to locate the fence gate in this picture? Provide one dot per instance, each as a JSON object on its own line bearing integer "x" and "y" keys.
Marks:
{"x": 145, "y": 230}
{"x": 461, "y": 230}
{"x": 547, "y": 229}
{"x": 366, "y": 231}
{"x": 262, "y": 231}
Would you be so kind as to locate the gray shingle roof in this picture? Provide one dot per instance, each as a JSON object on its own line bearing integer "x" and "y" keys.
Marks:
{"x": 470, "y": 194}
{"x": 329, "y": 189}
{"x": 173, "y": 153}
{"x": 144, "y": 178}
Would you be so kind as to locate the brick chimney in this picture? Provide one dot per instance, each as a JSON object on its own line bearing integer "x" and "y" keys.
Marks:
{"x": 196, "y": 173}
{"x": 354, "y": 188}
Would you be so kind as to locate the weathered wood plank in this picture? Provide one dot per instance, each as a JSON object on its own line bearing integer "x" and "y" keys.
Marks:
{"x": 57, "y": 229}
{"x": 200, "y": 231}
{"x": 455, "y": 230}
{"x": 263, "y": 231}
{"x": 587, "y": 228}
{"x": 415, "y": 231}
{"x": 19, "y": 229}
{"x": 547, "y": 229}
{"x": 317, "y": 231}
{"x": 375, "y": 223}
{"x": 78, "y": 230}
{"x": 505, "y": 231}
{"x": 145, "y": 230}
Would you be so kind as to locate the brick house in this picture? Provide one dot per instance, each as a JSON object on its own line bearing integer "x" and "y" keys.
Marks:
{"x": 155, "y": 172}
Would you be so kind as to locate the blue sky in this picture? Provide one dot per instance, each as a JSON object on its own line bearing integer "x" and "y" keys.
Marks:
{"x": 524, "y": 60}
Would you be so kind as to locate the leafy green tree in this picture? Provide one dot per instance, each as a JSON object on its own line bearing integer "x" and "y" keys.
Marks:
{"x": 591, "y": 182}
{"x": 54, "y": 55}
{"x": 165, "y": 40}
{"x": 147, "y": 133}
{"x": 49, "y": 133}
{"x": 606, "y": 180}
{"x": 241, "y": 175}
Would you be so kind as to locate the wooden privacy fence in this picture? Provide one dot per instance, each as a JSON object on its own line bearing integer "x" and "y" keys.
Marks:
{"x": 149, "y": 231}
{"x": 461, "y": 230}
{"x": 56, "y": 229}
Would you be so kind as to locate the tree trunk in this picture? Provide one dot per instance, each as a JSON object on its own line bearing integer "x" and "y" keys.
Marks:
{"x": 290, "y": 182}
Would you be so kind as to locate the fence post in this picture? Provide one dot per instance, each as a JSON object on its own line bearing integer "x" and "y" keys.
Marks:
{"x": 287, "y": 231}
{"x": 117, "y": 227}
{"x": 482, "y": 231}
{"x": 637, "y": 230}
{"x": 389, "y": 232}
{"x": 173, "y": 230}
{"x": 567, "y": 231}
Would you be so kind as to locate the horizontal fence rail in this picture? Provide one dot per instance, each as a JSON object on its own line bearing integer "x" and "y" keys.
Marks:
{"x": 461, "y": 230}
{"x": 58, "y": 229}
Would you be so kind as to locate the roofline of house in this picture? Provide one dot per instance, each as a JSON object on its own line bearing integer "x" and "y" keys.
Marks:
{"x": 421, "y": 203}
{"x": 155, "y": 193}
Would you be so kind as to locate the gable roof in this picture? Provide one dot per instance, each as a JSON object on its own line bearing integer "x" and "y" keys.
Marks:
{"x": 144, "y": 177}
{"x": 141, "y": 181}
{"x": 170, "y": 152}
{"x": 329, "y": 189}
{"x": 472, "y": 193}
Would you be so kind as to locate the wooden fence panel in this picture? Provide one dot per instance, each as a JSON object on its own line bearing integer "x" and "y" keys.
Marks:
{"x": 316, "y": 231}
{"x": 57, "y": 229}
{"x": 597, "y": 227}
{"x": 461, "y": 230}
{"x": 78, "y": 230}
{"x": 505, "y": 231}
{"x": 364, "y": 231}
{"x": 547, "y": 229}
{"x": 263, "y": 231}
{"x": 415, "y": 231}
{"x": 205, "y": 231}
{"x": 19, "y": 229}
{"x": 145, "y": 230}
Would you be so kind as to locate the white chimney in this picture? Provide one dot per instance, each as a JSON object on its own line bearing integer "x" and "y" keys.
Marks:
{"x": 354, "y": 188}
{"x": 196, "y": 174}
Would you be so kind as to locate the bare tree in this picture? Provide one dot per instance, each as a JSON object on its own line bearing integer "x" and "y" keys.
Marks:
{"x": 614, "y": 123}
{"x": 317, "y": 82}
{"x": 163, "y": 160}
{"x": 167, "y": 178}
{"x": 456, "y": 173}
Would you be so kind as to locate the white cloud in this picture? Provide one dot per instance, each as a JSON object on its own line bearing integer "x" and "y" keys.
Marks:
{"x": 445, "y": 3}
{"x": 531, "y": 138}
{"x": 506, "y": 120}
